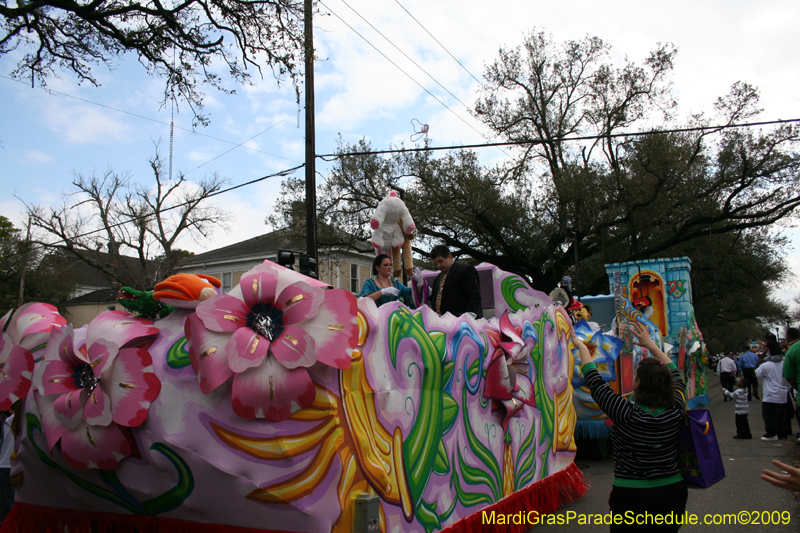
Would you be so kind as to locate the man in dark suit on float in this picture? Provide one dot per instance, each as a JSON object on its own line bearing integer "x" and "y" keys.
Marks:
{"x": 456, "y": 289}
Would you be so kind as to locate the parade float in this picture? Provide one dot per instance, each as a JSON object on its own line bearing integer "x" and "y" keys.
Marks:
{"x": 289, "y": 406}
{"x": 657, "y": 293}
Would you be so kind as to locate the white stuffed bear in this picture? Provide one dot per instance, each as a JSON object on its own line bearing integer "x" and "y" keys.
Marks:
{"x": 391, "y": 218}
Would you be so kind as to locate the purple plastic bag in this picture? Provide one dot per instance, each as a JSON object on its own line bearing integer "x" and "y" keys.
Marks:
{"x": 698, "y": 452}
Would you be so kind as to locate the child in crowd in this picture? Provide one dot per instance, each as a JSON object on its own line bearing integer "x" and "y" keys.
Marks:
{"x": 741, "y": 408}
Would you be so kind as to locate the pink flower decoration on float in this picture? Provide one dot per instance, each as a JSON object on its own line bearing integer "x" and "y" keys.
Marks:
{"x": 507, "y": 380}
{"x": 29, "y": 327}
{"x": 268, "y": 337}
{"x": 87, "y": 393}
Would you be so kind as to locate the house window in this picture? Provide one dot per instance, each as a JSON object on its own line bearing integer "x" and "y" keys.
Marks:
{"x": 354, "y": 278}
{"x": 227, "y": 281}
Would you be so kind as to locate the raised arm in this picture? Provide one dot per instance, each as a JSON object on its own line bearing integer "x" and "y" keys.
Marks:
{"x": 615, "y": 406}
{"x": 645, "y": 341}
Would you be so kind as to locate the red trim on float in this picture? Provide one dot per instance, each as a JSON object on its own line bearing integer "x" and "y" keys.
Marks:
{"x": 544, "y": 497}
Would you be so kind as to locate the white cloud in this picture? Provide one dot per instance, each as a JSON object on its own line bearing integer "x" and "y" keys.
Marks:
{"x": 36, "y": 157}
{"x": 14, "y": 211}
{"x": 86, "y": 124}
{"x": 200, "y": 156}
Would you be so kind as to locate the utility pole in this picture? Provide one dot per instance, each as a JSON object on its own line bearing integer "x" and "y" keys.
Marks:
{"x": 311, "y": 178}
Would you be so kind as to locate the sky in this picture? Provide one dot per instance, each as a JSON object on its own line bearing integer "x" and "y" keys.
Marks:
{"x": 50, "y": 136}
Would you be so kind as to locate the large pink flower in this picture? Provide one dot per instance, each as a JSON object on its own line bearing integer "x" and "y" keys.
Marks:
{"x": 30, "y": 325}
{"x": 267, "y": 338}
{"x": 86, "y": 392}
{"x": 27, "y": 329}
{"x": 507, "y": 380}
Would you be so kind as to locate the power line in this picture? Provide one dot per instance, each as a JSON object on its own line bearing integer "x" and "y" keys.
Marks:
{"x": 422, "y": 69}
{"x": 406, "y": 55}
{"x": 333, "y": 157}
{"x": 194, "y": 132}
{"x": 247, "y": 141}
{"x": 282, "y": 173}
{"x": 400, "y": 69}
{"x": 440, "y": 44}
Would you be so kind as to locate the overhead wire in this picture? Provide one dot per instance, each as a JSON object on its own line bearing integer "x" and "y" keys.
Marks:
{"x": 132, "y": 219}
{"x": 243, "y": 143}
{"x": 400, "y": 68}
{"x": 422, "y": 69}
{"x": 194, "y": 132}
{"x": 689, "y": 129}
{"x": 438, "y": 148}
{"x": 440, "y": 44}
{"x": 406, "y": 55}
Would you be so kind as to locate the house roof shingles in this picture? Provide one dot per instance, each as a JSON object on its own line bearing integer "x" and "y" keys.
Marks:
{"x": 98, "y": 296}
{"x": 267, "y": 244}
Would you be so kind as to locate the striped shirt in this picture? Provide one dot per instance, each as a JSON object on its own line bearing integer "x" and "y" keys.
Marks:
{"x": 645, "y": 442}
{"x": 739, "y": 397}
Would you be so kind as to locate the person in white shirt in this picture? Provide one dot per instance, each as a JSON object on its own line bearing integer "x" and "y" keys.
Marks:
{"x": 7, "y": 446}
{"x": 775, "y": 398}
{"x": 727, "y": 373}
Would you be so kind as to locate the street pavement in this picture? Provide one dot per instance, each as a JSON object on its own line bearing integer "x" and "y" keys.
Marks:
{"x": 740, "y": 490}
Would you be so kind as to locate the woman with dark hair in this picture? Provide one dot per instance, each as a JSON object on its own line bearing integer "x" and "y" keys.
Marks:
{"x": 382, "y": 288}
{"x": 644, "y": 437}
{"x": 772, "y": 346}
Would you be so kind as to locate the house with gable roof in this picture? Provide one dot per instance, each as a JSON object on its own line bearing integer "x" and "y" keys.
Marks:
{"x": 341, "y": 267}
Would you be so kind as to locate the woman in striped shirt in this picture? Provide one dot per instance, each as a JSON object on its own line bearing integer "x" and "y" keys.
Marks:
{"x": 645, "y": 439}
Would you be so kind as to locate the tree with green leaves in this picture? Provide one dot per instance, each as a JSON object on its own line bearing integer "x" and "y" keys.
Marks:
{"x": 564, "y": 206}
{"x": 637, "y": 195}
{"x": 17, "y": 255}
{"x": 13, "y": 255}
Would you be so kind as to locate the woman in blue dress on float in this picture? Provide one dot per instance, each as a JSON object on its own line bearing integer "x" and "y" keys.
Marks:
{"x": 382, "y": 288}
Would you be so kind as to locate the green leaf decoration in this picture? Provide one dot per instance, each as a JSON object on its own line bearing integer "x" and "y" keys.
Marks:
{"x": 427, "y": 516}
{"x": 34, "y": 425}
{"x": 450, "y": 413}
{"x": 442, "y": 464}
{"x": 470, "y": 499}
{"x": 421, "y": 444}
{"x": 473, "y": 369}
{"x": 394, "y": 325}
{"x": 445, "y": 515}
{"x": 483, "y": 453}
{"x": 544, "y": 473}
{"x": 477, "y": 476}
{"x": 447, "y": 371}
{"x": 178, "y": 354}
{"x": 174, "y": 497}
{"x": 418, "y": 319}
{"x": 169, "y": 500}
{"x": 439, "y": 341}
{"x": 544, "y": 403}
{"x": 508, "y": 287}
{"x": 524, "y": 470}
